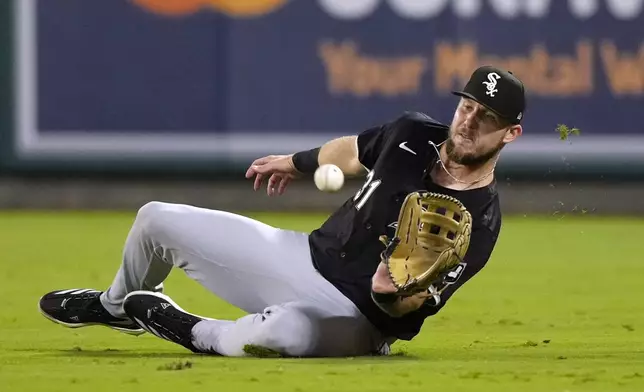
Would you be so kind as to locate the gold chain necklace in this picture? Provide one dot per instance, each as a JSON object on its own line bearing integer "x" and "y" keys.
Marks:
{"x": 469, "y": 184}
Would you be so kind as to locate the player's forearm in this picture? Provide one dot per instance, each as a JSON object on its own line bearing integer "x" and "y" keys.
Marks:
{"x": 342, "y": 152}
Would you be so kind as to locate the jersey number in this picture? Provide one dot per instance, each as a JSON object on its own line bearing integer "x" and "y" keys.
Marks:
{"x": 366, "y": 191}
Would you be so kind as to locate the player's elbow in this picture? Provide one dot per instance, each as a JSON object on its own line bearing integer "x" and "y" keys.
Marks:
{"x": 355, "y": 167}
{"x": 343, "y": 153}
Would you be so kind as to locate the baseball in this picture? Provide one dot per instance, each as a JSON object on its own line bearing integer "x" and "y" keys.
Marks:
{"x": 328, "y": 178}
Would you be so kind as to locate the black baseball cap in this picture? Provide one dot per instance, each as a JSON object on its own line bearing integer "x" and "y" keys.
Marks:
{"x": 498, "y": 90}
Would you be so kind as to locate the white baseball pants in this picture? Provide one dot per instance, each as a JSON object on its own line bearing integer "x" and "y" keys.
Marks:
{"x": 265, "y": 271}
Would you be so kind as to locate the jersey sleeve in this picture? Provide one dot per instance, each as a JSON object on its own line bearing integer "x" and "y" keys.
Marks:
{"x": 371, "y": 143}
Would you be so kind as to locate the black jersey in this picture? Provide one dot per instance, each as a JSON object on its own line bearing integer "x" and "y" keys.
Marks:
{"x": 346, "y": 250}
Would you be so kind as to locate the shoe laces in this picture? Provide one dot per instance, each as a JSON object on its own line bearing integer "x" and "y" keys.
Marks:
{"x": 85, "y": 301}
{"x": 171, "y": 314}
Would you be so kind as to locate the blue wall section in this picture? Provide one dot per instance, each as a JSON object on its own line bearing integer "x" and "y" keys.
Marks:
{"x": 123, "y": 68}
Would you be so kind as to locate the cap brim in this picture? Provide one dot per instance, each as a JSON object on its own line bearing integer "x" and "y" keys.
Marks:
{"x": 473, "y": 98}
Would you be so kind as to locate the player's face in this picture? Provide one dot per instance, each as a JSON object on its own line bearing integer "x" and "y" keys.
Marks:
{"x": 477, "y": 134}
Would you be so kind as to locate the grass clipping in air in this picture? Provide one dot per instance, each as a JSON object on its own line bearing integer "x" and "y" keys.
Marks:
{"x": 565, "y": 132}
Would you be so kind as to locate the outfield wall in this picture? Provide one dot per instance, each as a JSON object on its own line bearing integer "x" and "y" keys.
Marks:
{"x": 200, "y": 88}
{"x": 554, "y": 199}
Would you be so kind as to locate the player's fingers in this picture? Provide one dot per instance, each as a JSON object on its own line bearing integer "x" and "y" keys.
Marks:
{"x": 252, "y": 169}
{"x": 272, "y": 183}
{"x": 267, "y": 168}
{"x": 279, "y": 165}
{"x": 258, "y": 169}
{"x": 258, "y": 181}
{"x": 283, "y": 184}
{"x": 250, "y": 172}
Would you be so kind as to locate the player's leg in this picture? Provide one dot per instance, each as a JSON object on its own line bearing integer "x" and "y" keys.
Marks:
{"x": 257, "y": 268}
{"x": 247, "y": 263}
{"x": 243, "y": 261}
{"x": 298, "y": 329}
{"x": 233, "y": 256}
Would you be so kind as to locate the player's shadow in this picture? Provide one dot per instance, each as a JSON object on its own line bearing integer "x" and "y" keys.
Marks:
{"x": 128, "y": 354}
{"x": 352, "y": 361}
{"x": 110, "y": 353}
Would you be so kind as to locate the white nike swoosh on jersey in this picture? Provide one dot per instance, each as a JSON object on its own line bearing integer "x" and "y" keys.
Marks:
{"x": 404, "y": 147}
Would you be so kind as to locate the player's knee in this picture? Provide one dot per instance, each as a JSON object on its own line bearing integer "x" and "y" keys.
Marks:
{"x": 153, "y": 217}
{"x": 289, "y": 332}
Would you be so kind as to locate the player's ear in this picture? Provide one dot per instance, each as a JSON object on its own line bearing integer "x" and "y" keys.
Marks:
{"x": 512, "y": 133}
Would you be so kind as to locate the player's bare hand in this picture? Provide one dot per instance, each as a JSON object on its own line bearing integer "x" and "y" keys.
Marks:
{"x": 279, "y": 170}
{"x": 381, "y": 281}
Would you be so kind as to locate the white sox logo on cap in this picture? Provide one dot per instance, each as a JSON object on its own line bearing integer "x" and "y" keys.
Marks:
{"x": 498, "y": 90}
{"x": 492, "y": 77}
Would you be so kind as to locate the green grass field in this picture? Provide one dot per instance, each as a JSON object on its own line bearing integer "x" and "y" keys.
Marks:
{"x": 560, "y": 307}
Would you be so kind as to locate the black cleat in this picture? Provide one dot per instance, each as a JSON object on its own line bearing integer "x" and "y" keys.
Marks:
{"x": 75, "y": 308}
{"x": 159, "y": 315}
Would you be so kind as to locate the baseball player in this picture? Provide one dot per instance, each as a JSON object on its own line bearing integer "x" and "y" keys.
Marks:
{"x": 332, "y": 292}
